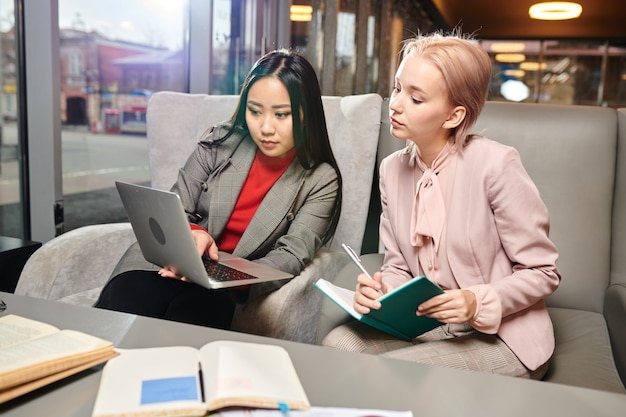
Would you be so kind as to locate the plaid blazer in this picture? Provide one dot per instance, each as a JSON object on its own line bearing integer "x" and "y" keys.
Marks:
{"x": 285, "y": 231}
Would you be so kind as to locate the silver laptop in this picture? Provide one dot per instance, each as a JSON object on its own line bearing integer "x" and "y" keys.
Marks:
{"x": 162, "y": 230}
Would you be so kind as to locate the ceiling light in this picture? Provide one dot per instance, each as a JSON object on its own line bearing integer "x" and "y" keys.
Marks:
{"x": 532, "y": 66}
{"x": 562, "y": 77}
{"x": 516, "y": 73}
{"x": 300, "y": 17}
{"x": 561, "y": 65}
{"x": 300, "y": 13}
{"x": 301, "y": 9}
{"x": 555, "y": 10}
{"x": 510, "y": 57}
{"x": 507, "y": 47}
{"x": 514, "y": 90}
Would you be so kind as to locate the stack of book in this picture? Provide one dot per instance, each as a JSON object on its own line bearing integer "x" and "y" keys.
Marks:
{"x": 34, "y": 354}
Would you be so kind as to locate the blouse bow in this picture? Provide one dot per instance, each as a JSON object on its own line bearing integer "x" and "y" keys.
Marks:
{"x": 429, "y": 212}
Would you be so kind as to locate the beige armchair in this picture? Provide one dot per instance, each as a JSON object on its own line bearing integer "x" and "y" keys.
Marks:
{"x": 73, "y": 267}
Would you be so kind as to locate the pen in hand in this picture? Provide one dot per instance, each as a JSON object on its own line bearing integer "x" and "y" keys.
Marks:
{"x": 355, "y": 258}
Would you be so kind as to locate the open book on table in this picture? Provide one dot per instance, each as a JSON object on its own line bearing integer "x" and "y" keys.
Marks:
{"x": 185, "y": 381}
{"x": 397, "y": 315}
{"x": 34, "y": 354}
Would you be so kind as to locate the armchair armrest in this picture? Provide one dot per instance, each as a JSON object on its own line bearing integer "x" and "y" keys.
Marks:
{"x": 614, "y": 313}
{"x": 293, "y": 311}
{"x": 74, "y": 267}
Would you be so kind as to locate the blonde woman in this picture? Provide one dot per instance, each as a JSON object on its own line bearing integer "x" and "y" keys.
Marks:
{"x": 461, "y": 210}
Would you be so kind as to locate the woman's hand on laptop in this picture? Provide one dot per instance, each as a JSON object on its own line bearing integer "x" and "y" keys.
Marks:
{"x": 205, "y": 243}
{"x": 168, "y": 273}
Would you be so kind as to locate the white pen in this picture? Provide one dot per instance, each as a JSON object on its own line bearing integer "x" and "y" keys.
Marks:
{"x": 355, "y": 258}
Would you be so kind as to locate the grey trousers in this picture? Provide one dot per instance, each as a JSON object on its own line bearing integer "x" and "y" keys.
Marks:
{"x": 452, "y": 345}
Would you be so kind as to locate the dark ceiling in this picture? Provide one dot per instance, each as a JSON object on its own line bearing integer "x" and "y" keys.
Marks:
{"x": 508, "y": 19}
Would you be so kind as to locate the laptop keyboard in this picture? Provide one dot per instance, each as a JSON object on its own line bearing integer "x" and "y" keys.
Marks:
{"x": 220, "y": 272}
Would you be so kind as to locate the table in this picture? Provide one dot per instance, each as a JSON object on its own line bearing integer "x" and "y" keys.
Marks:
{"x": 329, "y": 377}
{"x": 14, "y": 253}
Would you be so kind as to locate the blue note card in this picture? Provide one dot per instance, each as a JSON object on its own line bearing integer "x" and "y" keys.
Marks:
{"x": 169, "y": 389}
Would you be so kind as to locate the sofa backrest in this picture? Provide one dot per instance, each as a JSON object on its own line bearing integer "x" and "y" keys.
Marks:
{"x": 175, "y": 122}
{"x": 569, "y": 151}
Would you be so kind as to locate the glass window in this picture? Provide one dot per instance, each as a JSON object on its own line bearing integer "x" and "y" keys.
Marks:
{"x": 221, "y": 82}
{"x": 242, "y": 31}
{"x": 559, "y": 72}
{"x": 11, "y": 163}
{"x": 114, "y": 56}
{"x": 353, "y": 44}
{"x": 614, "y": 85}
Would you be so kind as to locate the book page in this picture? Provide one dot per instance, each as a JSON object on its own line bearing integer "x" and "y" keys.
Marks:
{"x": 9, "y": 394}
{"x": 16, "y": 329}
{"x": 342, "y": 296}
{"x": 45, "y": 355}
{"x": 251, "y": 375}
{"x": 151, "y": 382}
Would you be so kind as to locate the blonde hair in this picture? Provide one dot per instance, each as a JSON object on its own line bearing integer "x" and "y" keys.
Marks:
{"x": 466, "y": 70}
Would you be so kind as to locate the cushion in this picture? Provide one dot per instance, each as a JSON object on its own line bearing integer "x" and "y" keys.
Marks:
{"x": 583, "y": 355}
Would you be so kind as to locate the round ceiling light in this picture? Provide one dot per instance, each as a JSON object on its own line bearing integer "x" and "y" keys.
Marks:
{"x": 555, "y": 10}
{"x": 514, "y": 90}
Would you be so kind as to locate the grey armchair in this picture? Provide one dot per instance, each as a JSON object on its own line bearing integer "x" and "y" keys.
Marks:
{"x": 73, "y": 267}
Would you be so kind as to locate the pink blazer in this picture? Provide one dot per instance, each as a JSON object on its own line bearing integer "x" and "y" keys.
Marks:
{"x": 496, "y": 234}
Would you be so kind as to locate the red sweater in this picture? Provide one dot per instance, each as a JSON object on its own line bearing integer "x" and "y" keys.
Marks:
{"x": 264, "y": 172}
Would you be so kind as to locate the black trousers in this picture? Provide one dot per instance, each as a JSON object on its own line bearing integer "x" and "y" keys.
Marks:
{"x": 146, "y": 293}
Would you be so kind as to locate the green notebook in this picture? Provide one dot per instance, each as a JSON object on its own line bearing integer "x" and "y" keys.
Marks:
{"x": 397, "y": 313}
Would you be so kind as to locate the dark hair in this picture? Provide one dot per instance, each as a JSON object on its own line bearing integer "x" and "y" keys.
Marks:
{"x": 310, "y": 133}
